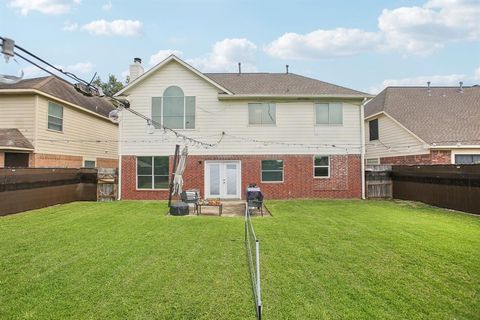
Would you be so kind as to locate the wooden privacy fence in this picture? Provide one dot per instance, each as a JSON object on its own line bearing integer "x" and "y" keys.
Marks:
{"x": 378, "y": 183}
{"x": 33, "y": 188}
{"x": 447, "y": 186}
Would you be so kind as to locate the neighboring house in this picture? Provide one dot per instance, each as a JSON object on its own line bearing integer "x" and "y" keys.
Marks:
{"x": 45, "y": 122}
{"x": 293, "y": 136}
{"x": 423, "y": 125}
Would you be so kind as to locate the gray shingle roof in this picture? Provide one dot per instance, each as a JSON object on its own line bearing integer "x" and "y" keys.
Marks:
{"x": 63, "y": 90}
{"x": 278, "y": 84}
{"x": 13, "y": 138}
{"x": 444, "y": 116}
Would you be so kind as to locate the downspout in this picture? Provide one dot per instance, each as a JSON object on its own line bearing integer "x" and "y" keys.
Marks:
{"x": 119, "y": 147}
{"x": 362, "y": 133}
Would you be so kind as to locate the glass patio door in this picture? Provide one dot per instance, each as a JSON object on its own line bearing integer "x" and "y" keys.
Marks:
{"x": 222, "y": 179}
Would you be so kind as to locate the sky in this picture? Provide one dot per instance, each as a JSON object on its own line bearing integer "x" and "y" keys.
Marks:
{"x": 364, "y": 45}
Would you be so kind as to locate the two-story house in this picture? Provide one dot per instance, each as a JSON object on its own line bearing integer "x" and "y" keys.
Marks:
{"x": 423, "y": 125}
{"x": 45, "y": 122}
{"x": 293, "y": 136}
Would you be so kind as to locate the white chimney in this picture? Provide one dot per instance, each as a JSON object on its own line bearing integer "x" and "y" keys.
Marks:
{"x": 136, "y": 69}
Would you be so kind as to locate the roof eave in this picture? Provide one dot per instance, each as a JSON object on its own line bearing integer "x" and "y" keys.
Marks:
{"x": 16, "y": 148}
{"x": 290, "y": 96}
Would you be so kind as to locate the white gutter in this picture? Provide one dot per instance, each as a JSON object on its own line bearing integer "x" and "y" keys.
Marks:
{"x": 362, "y": 132}
{"x": 16, "y": 148}
{"x": 472, "y": 146}
{"x": 222, "y": 96}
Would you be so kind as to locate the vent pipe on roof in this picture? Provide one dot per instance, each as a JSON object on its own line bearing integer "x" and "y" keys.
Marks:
{"x": 239, "y": 67}
{"x": 428, "y": 88}
{"x": 286, "y": 67}
{"x": 461, "y": 86}
{"x": 136, "y": 69}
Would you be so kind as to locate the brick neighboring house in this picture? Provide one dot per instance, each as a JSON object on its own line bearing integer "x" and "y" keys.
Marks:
{"x": 423, "y": 125}
{"x": 294, "y": 136}
{"x": 45, "y": 122}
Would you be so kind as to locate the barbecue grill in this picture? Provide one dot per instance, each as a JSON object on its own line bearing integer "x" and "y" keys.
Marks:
{"x": 254, "y": 198}
{"x": 191, "y": 196}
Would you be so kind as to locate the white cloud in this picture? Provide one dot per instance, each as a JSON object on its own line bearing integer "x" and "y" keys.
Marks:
{"x": 416, "y": 30}
{"x": 162, "y": 55}
{"x": 128, "y": 28}
{"x": 107, "y": 6}
{"x": 323, "y": 44}
{"x": 477, "y": 74}
{"x": 33, "y": 72}
{"x": 81, "y": 67}
{"x": 225, "y": 56}
{"x": 54, "y": 7}
{"x": 70, "y": 26}
{"x": 422, "y": 30}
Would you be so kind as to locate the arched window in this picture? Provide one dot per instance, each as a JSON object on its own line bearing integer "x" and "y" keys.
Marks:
{"x": 174, "y": 110}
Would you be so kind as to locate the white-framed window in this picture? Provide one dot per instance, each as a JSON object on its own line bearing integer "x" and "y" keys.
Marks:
{"x": 373, "y": 131}
{"x": 272, "y": 171}
{"x": 372, "y": 161}
{"x": 321, "y": 166}
{"x": 152, "y": 172}
{"x": 55, "y": 117}
{"x": 174, "y": 110}
{"x": 467, "y": 159}
{"x": 262, "y": 114}
{"x": 89, "y": 164}
{"x": 328, "y": 113}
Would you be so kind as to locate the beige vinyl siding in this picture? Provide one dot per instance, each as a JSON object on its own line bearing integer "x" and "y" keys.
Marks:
{"x": 392, "y": 135}
{"x": 295, "y": 122}
{"x": 18, "y": 111}
{"x": 77, "y": 125}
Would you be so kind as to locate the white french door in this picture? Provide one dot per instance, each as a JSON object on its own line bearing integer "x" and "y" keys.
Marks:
{"x": 222, "y": 179}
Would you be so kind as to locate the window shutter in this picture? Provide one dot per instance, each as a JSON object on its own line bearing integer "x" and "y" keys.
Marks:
{"x": 157, "y": 111}
{"x": 190, "y": 112}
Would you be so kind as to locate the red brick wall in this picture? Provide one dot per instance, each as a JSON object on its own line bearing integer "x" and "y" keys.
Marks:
{"x": 40, "y": 160}
{"x": 434, "y": 157}
{"x": 344, "y": 181}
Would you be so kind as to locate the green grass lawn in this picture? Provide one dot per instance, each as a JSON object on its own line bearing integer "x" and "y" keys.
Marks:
{"x": 320, "y": 260}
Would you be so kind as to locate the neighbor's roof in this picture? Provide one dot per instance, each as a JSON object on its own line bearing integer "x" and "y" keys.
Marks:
{"x": 443, "y": 116}
{"x": 65, "y": 91}
{"x": 13, "y": 138}
{"x": 278, "y": 84}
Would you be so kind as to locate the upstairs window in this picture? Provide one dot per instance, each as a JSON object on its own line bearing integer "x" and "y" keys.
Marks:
{"x": 329, "y": 113}
{"x": 174, "y": 110}
{"x": 262, "y": 114}
{"x": 55, "y": 117}
{"x": 373, "y": 129}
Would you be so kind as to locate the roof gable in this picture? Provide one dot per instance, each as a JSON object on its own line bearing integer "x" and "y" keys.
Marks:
{"x": 164, "y": 63}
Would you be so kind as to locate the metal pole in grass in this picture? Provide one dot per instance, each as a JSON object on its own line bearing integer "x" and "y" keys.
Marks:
{"x": 259, "y": 298}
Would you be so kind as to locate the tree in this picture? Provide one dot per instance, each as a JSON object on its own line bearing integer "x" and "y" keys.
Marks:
{"x": 110, "y": 87}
